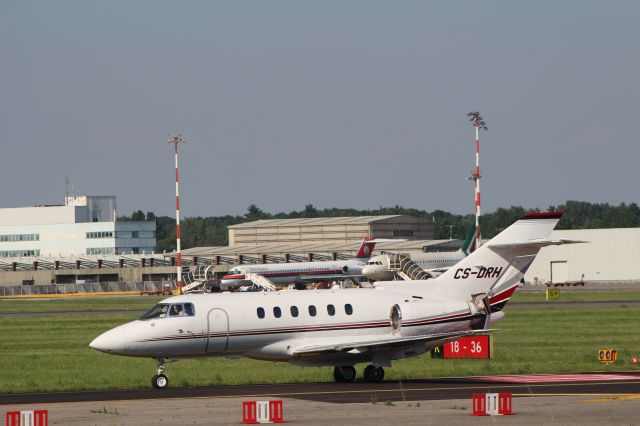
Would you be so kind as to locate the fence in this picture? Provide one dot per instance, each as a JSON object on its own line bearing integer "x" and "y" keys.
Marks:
{"x": 19, "y": 290}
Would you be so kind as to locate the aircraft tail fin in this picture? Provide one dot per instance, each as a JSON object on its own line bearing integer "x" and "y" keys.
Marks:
{"x": 470, "y": 243}
{"x": 366, "y": 248}
{"x": 495, "y": 268}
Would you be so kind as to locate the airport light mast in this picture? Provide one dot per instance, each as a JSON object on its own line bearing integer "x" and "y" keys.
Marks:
{"x": 478, "y": 123}
{"x": 176, "y": 140}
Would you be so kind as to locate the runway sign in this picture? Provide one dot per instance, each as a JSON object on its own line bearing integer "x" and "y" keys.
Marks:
{"x": 607, "y": 355}
{"x": 254, "y": 412}
{"x": 469, "y": 347}
{"x": 27, "y": 418}
{"x": 492, "y": 404}
{"x": 552, "y": 294}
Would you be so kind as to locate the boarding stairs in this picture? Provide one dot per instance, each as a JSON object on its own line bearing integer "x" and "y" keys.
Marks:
{"x": 198, "y": 280}
{"x": 261, "y": 281}
{"x": 405, "y": 269}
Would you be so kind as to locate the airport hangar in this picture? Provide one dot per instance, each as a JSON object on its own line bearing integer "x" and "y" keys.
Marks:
{"x": 317, "y": 239}
{"x": 608, "y": 255}
{"x": 263, "y": 241}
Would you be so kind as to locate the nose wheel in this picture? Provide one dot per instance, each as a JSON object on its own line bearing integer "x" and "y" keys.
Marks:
{"x": 373, "y": 374}
{"x": 160, "y": 380}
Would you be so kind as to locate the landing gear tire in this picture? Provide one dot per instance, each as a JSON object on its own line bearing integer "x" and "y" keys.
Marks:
{"x": 373, "y": 374}
{"x": 160, "y": 381}
{"x": 345, "y": 373}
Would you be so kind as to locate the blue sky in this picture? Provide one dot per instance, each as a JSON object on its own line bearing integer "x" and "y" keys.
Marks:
{"x": 336, "y": 103}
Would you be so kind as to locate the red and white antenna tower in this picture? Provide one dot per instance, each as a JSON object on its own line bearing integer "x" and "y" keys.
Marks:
{"x": 478, "y": 123}
{"x": 176, "y": 140}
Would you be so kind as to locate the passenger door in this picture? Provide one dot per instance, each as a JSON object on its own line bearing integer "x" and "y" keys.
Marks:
{"x": 218, "y": 331}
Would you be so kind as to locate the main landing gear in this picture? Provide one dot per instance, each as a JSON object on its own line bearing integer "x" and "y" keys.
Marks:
{"x": 160, "y": 380}
{"x": 347, "y": 373}
{"x": 373, "y": 374}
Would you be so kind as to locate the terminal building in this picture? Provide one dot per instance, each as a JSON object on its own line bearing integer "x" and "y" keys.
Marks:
{"x": 84, "y": 225}
{"x": 76, "y": 243}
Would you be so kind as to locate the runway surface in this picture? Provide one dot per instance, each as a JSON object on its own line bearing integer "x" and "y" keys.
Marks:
{"x": 587, "y": 384}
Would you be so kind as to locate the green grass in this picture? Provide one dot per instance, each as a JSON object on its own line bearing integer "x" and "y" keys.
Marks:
{"x": 579, "y": 296}
{"x": 51, "y": 353}
{"x": 136, "y": 303}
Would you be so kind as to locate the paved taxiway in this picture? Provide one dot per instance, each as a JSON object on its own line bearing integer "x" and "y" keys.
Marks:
{"x": 359, "y": 392}
{"x": 594, "y": 409}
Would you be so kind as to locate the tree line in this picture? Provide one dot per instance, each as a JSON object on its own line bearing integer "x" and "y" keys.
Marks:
{"x": 212, "y": 231}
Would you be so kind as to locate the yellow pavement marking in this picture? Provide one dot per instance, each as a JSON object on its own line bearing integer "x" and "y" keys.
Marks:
{"x": 622, "y": 397}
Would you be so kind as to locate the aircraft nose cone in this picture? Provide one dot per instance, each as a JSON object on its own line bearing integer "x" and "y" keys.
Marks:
{"x": 368, "y": 270}
{"x": 112, "y": 341}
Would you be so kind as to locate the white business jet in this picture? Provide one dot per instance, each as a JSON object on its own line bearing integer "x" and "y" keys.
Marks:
{"x": 340, "y": 327}
{"x": 302, "y": 272}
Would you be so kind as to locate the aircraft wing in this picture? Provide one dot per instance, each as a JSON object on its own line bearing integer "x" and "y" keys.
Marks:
{"x": 358, "y": 345}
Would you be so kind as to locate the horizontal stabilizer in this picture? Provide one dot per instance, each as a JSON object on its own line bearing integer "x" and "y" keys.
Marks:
{"x": 536, "y": 243}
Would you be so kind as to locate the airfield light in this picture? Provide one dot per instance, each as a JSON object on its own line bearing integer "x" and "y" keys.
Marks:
{"x": 177, "y": 140}
{"x": 478, "y": 123}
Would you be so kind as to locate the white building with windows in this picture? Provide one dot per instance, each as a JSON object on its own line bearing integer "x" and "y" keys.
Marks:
{"x": 84, "y": 225}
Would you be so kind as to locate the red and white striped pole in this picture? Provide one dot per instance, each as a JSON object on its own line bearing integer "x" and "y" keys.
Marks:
{"x": 478, "y": 122}
{"x": 477, "y": 179}
{"x": 176, "y": 140}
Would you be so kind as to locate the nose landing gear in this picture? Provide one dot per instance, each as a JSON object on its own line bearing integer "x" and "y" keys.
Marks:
{"x": 160, "y": 380}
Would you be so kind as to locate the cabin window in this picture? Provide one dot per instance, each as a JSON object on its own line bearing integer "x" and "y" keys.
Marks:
{"x": 294, "y": 311}
{"x": 348, "y": 309}
{"x": 331, "y": 310}
{"x": 260, "y": 313}
{"x": 158, "y": 311}
{"x": 277, "y": 312}
{"x": 312, "y": 310}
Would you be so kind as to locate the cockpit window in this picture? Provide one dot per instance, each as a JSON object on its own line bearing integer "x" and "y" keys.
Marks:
{"x": 181, "y": 310}
{"x": 188, "y": 309}
{"x": 162, "y": 310}
{"x": 158, "y": 311}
